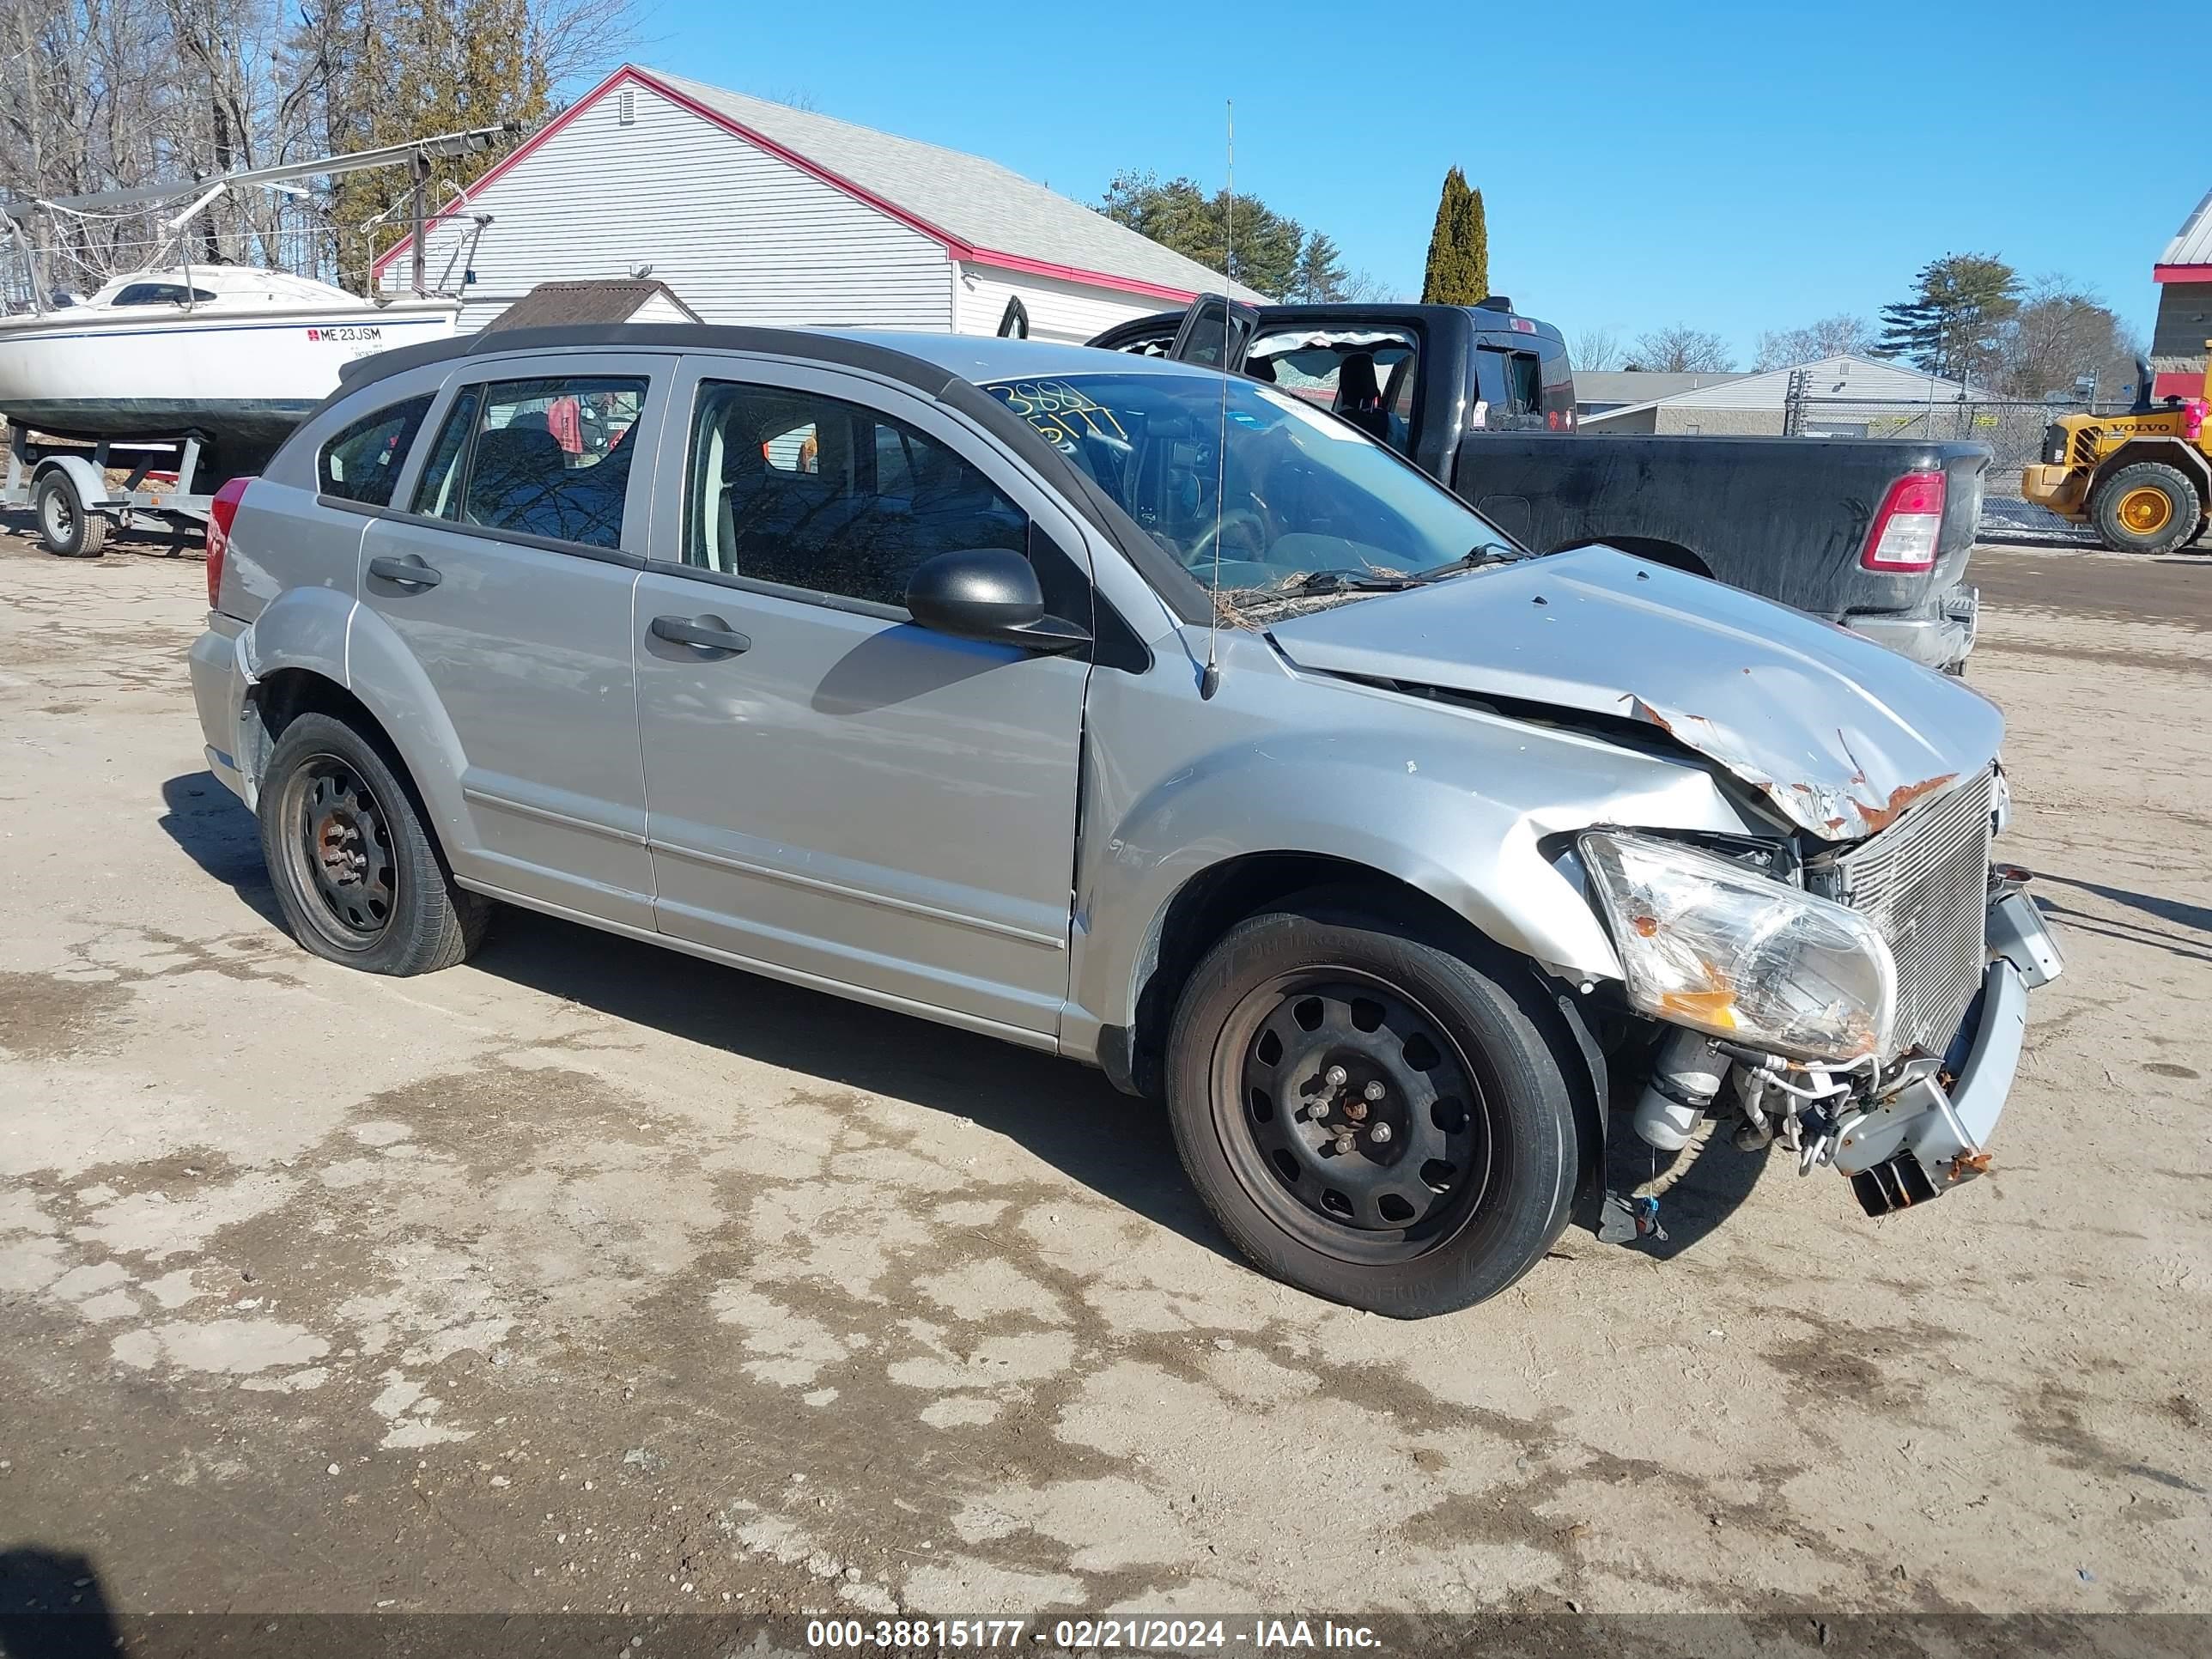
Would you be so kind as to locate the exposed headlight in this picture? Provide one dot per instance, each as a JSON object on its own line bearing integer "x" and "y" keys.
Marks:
{"x": 1708, "y": 943}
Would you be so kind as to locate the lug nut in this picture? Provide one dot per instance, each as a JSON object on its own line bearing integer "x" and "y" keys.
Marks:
{"x": 1373, "y": 1090}
{"x": 1335, "y": 1077}
{"x": 1381, "y": 1132}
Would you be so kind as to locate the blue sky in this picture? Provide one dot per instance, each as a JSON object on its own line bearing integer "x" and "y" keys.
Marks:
{"x": 1734, "y": 166}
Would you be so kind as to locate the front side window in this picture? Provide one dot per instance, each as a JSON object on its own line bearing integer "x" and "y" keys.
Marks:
{"x": 548, "y": 457}
{"x": 362, "y": 463}
{"x": 1253, "y": 490}
{"x": 814, "y": 493}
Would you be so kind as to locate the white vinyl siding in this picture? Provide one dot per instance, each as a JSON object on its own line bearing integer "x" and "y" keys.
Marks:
{"x": 1058, "y": 310}
{"x": 741, "y": 234}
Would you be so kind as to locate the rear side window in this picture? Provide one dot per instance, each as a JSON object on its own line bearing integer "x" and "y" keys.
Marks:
{"x": 812, "y": 492}
{"x": 362, "y": 463}
{"x": 438, "y": 491}
{"x": 547, "y": 458}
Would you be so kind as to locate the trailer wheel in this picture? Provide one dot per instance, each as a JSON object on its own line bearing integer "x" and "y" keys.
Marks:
{"x": 64, "y": 527}
{"x": 2147, "y": 507}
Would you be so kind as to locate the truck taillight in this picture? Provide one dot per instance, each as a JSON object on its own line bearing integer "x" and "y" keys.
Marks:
{"x": 222, "y": 513}
{"x": 1903, "y": 539}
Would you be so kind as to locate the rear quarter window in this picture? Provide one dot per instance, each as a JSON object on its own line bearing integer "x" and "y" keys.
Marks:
{"x": 361, "y": 463}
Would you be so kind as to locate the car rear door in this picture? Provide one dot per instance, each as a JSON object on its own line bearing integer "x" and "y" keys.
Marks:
{"x": 836, "y": 793}
{"x": 506, "y": 576}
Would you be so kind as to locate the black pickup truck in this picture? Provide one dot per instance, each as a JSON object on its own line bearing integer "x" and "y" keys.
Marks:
{"x": 1873, "y": 533}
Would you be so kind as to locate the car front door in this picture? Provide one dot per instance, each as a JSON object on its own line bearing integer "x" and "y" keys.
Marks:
{"x": 834, "y": 792}
{"x": 507, "y": 575}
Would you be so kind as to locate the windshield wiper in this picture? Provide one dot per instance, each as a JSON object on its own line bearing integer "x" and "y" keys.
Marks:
{"x": 1348, "y": 581}
{"x": 1474, "y": 559}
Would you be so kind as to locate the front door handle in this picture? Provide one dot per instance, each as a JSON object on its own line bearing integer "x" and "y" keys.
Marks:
{"x": 707, "y": 632}
{"x": 409, "y": 572}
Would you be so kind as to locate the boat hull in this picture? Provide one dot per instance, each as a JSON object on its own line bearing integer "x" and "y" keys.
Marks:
{"x": 244, "y": 377}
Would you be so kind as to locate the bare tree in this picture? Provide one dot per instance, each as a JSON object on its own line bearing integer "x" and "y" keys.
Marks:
{"x": 101, "y": 95}
{"x": 1596, "y": 348}
{"x": 1681, "y": 350}
{"x": 2061, "y": 334}
{"x": 1840, "y": 335}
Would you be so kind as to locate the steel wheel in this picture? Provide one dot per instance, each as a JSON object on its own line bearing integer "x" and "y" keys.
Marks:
{"x": 56, "y": 518}
{"x": 1350, "y": 1116}
{"x": 340, "y": 847}
{"x": 2146, "y": 512}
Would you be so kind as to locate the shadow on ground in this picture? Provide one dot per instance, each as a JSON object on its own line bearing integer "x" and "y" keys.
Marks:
{"x": 53, "y": 1606}
{"x": 1064, "y": 1113}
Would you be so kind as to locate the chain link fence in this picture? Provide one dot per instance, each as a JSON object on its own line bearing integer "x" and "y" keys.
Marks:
{"x": 2012, "y": 428}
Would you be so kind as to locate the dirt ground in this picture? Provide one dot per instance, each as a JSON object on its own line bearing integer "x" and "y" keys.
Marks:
{"x": 591, "y": 1277}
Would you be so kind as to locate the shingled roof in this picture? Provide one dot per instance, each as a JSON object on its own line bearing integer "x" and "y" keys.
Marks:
{"x": 613, "y": 299}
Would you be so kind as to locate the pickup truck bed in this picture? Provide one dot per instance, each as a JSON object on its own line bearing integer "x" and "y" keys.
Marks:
{"x": 1787, "y": 518}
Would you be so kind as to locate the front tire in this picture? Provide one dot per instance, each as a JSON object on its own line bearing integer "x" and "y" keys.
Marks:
{"x": 1368, "y": 1115}
{"x": 2147, "y": 507}
{"x": 357, "y": 876}
{"x": 65, "y": 528}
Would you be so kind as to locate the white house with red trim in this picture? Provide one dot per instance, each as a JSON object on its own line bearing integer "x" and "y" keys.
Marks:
{"x": 756, "y": 212}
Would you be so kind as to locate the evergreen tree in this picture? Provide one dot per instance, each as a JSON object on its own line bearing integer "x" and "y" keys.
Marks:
{"x": 1179, "y": 214}
{"x": 1319, "y": 278}
{"x": 1955, "y": 324}
{"x": 1458, "y": 272}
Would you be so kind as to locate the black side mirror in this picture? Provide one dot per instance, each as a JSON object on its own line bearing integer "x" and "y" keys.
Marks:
{"x": 988, "y": 594}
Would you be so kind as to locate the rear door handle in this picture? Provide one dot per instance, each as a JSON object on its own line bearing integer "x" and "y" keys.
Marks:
{"x": 409, "y": 572}
{"x": 707, "y": 632}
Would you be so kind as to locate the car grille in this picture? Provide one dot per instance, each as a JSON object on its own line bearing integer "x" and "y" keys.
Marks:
{"x": 1924, "y": 882}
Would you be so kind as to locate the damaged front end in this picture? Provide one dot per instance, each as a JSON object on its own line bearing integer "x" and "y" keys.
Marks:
{"x": 1866, "y": 1011}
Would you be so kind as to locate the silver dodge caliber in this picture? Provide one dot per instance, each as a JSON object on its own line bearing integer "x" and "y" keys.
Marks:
{"x": 1158, "y": 719}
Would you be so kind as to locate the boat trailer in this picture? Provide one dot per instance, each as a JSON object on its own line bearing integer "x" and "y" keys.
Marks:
{"x": 66, "y": 487}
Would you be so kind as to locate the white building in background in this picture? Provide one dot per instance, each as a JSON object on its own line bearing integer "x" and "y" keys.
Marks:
{"x": 1835, "y": 390}
{"x": 756, "y": 212}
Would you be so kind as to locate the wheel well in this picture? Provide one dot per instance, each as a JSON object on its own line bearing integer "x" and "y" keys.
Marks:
{"x": 1673, "y": 554}
{"x": 281, "y": 698}
{"x": 2166, "y": 452}
{"x": 1216, "y": 900}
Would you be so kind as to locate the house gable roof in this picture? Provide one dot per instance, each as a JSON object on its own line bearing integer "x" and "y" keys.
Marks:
{"x": 978, "y": 210}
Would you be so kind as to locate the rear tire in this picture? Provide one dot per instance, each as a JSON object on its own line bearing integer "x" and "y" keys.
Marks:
{"x": 357, "y": 876}
{"x": 2147, "y": 508}
{"x": 65, "y": 529}
{"x": 1370, "y": 1116}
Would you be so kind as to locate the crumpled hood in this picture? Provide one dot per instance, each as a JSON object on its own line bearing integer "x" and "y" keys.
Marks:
{"x": 1840, "y": 735}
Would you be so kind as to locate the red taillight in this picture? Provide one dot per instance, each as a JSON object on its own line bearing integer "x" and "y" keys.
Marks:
{"x": 1904, "y": 532}
{"x": 222, "y": 513}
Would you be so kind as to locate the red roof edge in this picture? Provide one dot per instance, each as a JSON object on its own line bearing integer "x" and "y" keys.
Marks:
{"x": 505, "y": 165}
{"x": 1022, "y": 262}
{"x": 952, "y": 244}
{"x": 2181, "y": 273}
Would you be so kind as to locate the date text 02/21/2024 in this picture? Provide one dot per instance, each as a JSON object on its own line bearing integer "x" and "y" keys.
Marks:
{"x": 1121, "y": 1633}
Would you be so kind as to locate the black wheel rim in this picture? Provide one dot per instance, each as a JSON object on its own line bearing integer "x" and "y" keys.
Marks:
{"x": 339, "y": 845}
{"x": 1352, "y": 1116}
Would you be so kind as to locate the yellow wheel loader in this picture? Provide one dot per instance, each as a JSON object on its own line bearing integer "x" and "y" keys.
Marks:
{"x": 2143, "y": 480}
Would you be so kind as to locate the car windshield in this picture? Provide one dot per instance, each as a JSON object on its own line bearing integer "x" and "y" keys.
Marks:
{"x": 1264, "y": 499}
